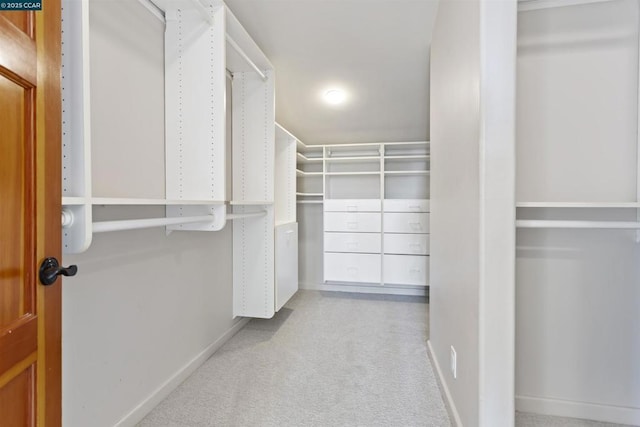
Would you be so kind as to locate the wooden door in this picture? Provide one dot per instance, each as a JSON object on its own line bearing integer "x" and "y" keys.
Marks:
{"x": 30, "y": 123}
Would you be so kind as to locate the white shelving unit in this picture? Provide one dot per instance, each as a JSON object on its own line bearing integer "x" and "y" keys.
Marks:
{"x": 194, "y": 144}
{"x": 309, "y": 173}
{"x": 204, "y": 45}
{"x": 285, "y": 213}
{"x": 376, "y": 211}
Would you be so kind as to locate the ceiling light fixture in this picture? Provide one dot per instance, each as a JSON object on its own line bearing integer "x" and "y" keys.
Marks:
{"x": 335, "y": 96}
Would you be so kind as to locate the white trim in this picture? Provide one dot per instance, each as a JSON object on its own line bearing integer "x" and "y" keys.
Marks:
{"x": 573, "y": 409}
{"x": 454, "y": 416}
{"x": 367, "y": 289}
{"x": 547, "y": 223}
{"x": 158, "y": 395}
{"x": 587, "y": 205}
{"x": 527, "y": 5}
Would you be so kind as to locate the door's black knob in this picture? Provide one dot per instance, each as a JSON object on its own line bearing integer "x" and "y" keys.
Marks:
{"x": 50, "y": 269}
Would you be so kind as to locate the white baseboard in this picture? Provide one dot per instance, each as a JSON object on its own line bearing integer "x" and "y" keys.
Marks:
{"x": 585, "y": 410}
{"x": 367, "y": 289}
{"x": 139, "y": 412}
{"x": 444, "y": 390}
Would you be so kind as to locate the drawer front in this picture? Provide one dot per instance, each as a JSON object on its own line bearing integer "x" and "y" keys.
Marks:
{"x": 353, "y": 242}
{"x": 409, "y": 244}
{"x": 406, "y": 222}
{"x": 406, "y": 205}
{"x": 352, "y": 205}
{"x": 363, "y": 268}
{"x": 352, "y": 222}
{"x": 406, "y": 270}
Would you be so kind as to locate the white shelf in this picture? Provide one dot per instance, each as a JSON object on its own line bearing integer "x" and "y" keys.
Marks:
{"x": 303, "y": 173}
{"x": 250, "y": 202}
{"x": 351, "y": 173}
{"x": 407, "y": 172}
{"x": 408, "y": 157}
{"x": 151, "y": 202}
{"x": 611, "y": 205}
{"x": 351, "y": 159}
{"x": 628, "y": 225}
{"x": 304, "y": 159}
{"x": 310, "y": 202}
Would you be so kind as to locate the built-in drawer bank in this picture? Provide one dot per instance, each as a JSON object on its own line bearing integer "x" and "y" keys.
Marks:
{"x": 352, "y": 205}
{"x": 353, "y": 242}
{"x": 360, "y": 222}
{"x": 406, "y": 222}
{"x": 406, "y": 244}
{"x": 406, "y": 270}
{"x": 346, "y": 267}
{"x": 405, "y": 205}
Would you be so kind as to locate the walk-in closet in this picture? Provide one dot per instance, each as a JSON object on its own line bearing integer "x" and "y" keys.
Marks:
{"x": 322, "y": 213}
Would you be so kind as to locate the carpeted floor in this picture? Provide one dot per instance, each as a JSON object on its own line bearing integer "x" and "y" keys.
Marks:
{"x": 524, "y": 419}
{"x": 326, "y": 359}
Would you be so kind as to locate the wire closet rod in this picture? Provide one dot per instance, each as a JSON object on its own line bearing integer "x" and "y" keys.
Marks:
{"x": 625, "y": 225}
{"x": 134, "y": 224}
{"x": 246, "y": 58}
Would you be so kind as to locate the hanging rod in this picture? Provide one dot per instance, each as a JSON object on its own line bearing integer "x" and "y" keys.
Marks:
{"x": 244, "y": 56}
{"x": 233, "y": 216}
{"x": 628, "y": 225}
{"x": 133, "y": 224}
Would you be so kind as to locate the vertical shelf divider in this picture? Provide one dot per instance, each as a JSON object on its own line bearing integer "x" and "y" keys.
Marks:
{"x": 76, "y": 127}
{"x": 195, "y": 90}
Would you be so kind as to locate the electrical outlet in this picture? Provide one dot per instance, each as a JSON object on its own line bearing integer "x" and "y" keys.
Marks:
{"x": 454, "y": 363}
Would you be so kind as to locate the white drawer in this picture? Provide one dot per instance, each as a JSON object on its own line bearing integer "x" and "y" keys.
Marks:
{"x": 353, "y": 242}
{"x": 409, "y": 244}
{"x": 351, "y": 268}
{"x": 352, "y": 222}
{"x": 352, "y": 205}
{"x": 406, "y": 222}
{"x": 406, "y": 205}
{"x": 406, "y": 270}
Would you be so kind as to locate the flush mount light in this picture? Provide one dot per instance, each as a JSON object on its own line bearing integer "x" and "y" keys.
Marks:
{"x": 335, "y": 96}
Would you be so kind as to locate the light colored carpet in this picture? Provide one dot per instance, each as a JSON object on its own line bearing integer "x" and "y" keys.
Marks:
{"x": 326, "y": 359}
{"x": 524, "y": 419}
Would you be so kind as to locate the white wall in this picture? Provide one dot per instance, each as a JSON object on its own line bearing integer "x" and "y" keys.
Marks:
{"x": 472, "y": 200}
{"x": 578, "y": 299}
{"x": 143, "y": 305}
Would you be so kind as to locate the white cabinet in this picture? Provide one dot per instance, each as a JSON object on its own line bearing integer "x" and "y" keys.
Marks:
{"x": 352, "y": 222}
{"x": 348, "y": 267}
{"x": 406, "y": 222}
{"x": 406, "y": 270}
{"x": 406, "y": 205}
{"x": 286, "y": 263}
{"x": 408, "y": 244}
{"x": 375, "y": 200}
{"x": 353, "y": 242}
{"x": 351, "y": 205}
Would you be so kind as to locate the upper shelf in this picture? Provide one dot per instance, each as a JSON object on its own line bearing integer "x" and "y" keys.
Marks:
{"x": 611, "y": 205}
{"x": 304, "y": 159}
{"x": 115, "y": 201}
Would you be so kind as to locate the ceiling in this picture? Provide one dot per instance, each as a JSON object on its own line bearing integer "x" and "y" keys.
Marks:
{"x": 376, "y": 50}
